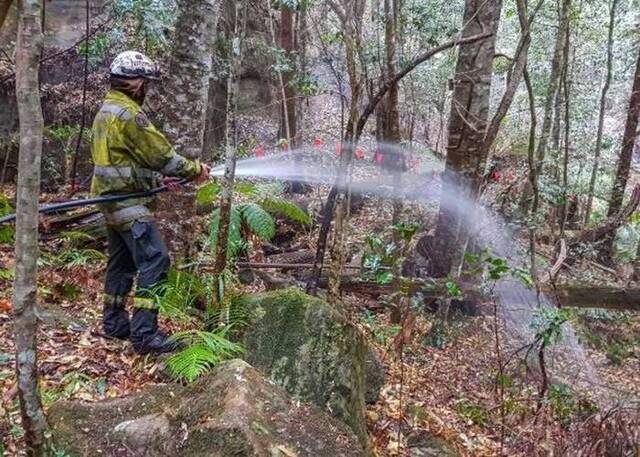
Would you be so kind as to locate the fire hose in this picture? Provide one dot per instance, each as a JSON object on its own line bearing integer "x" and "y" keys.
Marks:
{"x": 63, "y": 206}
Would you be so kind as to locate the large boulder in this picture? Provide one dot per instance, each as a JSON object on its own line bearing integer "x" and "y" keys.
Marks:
{"x": 231, "y": 412}
{"x": 310, "y": 349}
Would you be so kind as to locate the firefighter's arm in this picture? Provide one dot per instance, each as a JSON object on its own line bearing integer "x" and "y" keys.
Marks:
{"x": 152, "y": 150}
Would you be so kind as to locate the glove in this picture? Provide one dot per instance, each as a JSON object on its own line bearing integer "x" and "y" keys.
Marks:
{"x": 172, "y": 183}
{"x": 205, "y": 170}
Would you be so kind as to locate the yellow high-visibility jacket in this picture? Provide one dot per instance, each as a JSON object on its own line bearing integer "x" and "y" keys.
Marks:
{"x": 131, "y": 155}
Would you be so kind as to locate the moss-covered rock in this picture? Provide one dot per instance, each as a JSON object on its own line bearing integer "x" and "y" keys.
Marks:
{"x": 307, "y": 347}
{"x": 231, "y": 412}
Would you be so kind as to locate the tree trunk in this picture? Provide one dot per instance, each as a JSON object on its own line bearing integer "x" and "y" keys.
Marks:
{"x": 624, "y": 161}
{"x": 391, "y": 135}
{"x": 28, "y": 52}
{"x": 226, "y": 196}
{"x": 467, "y": 127}
{"x": 513, "y": 80}
{"x": 4, "y": 10}
{"x": 288, "y": 125}
{"x": 552, "y": 94}
{"x": 603, "y": 106}
{"x": 186, "y": 88}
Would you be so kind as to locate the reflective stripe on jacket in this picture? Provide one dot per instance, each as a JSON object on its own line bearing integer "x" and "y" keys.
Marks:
{"x": 131, "y": 155}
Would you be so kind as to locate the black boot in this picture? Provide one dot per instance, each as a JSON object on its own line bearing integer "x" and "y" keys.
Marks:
{"x": 146, "y": 337}
{"x": 115, "y": 321}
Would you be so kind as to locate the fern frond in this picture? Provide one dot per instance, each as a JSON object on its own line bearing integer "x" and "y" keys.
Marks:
{"x": 287, "y": 209}
{"x": 192, "y": 362}
{"x": 236, "y": 243}
{"x": 205, "y": 350}
{"x": 258, "y": 220}
{"x": 208, "y": 193}
{"x": 269, "y": 189}
{"x": 248, "y": 189}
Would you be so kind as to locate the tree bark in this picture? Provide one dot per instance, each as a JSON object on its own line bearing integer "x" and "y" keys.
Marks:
{"x": 226, "y": 197}
{"x": 4, "y": 10}
{"x": 391, "y": 135}
{"x": 288, "y": 124}
{"x": 551, "y": 97}
{"x": 603, "y": 106}
{"x": 467, "y": 128}
{"x": 28, "y": 52}
{"x": 624, "y": 161}
{"x": 186, "y": 88}
{"x": 514, "y": 78}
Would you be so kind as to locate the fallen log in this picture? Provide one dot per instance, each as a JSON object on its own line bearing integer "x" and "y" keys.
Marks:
{"x": 598, "y": 297}
{"x": 611, "y": 224}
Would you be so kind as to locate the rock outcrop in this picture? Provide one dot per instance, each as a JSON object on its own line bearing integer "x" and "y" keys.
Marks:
{"x": 232, "y": 411}
{"x": 307, "y": 347}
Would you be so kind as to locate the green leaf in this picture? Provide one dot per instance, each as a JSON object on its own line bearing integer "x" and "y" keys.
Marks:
{"x": 384, "y": 277}
{"x": 258, "y": 220}
{"x": 287, "y": 209}
{"x": 204, "y": 351}
{"x": 453, "y": 290}
{"x": 6, "y": 231}
{"x": 247, "y": 189}
{"x": 208, "y": 193}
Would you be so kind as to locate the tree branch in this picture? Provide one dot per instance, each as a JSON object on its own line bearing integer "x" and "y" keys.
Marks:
{"x": 373, "y": 102}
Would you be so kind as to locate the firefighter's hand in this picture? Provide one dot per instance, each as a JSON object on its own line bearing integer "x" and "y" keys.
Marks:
{"x": 172, "y": 183}
{"x": 204, "y": 173}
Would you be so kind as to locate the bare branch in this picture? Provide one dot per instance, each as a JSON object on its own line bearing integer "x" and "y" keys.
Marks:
{"x": 410, "y": 67}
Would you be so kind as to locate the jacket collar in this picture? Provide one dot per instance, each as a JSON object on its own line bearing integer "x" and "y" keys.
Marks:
{"x": 123, "y": 99}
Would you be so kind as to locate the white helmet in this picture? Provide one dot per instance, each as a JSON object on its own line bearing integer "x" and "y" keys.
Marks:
{"x": 133, "y": 64}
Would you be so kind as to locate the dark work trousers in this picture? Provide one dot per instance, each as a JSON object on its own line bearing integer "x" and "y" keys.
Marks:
{"x": 140, "y": 250}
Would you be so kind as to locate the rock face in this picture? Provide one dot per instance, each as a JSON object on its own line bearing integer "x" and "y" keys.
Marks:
{"x": 308, "y": 348}
{"x": 232, "y": 412}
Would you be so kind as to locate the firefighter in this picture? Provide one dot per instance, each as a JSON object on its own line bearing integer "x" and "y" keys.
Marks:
{"x": 131, "y": 155}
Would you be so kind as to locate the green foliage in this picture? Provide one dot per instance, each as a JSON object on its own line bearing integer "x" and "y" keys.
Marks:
{"x": 453, "y": 290}
{"x": 382, "y": 334}
{"x": 208, "y": 193}
{"x": 6, "y": 231}
{"x": 74, "y": 384}
{"x": 96, "y": 48}
{"x": 257, "y": 220}
{"x": 236, "y": 243}
{"x": 471, "y": 412}
{"x": 204, "y": 351}
{"x": 71, "y": 258}
{"x": 286, "y": 208}
{"x": 494, "y": 268}
{"x": 548, "y": 324}
{"x": 254, "y": 216}
{"x": 566, "y": 405}
{"x": 151, "y": 20}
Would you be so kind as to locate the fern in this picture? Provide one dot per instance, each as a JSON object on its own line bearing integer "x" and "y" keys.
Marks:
{"x": 204, "y": 351}
{"x": 287, "y": 209}
{"x": 258, "y": 220}
{"x": 6, "y": 231}
{"x": 236, "y": 242}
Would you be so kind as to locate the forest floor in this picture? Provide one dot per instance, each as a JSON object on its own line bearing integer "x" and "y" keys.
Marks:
{"x": 464, "y": 395}
{"x": 446, "y": 393}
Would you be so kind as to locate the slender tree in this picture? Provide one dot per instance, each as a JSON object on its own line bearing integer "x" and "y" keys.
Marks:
{"x": 231, "y": 140}
{"x": 468, "y": 124}
{"x": 28, "y": 52}
{"x": 550, "y": 98}
{"x": 288, "y": 118}
{"x": 601, "y": 113}
{"x": 624, "y": 161}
